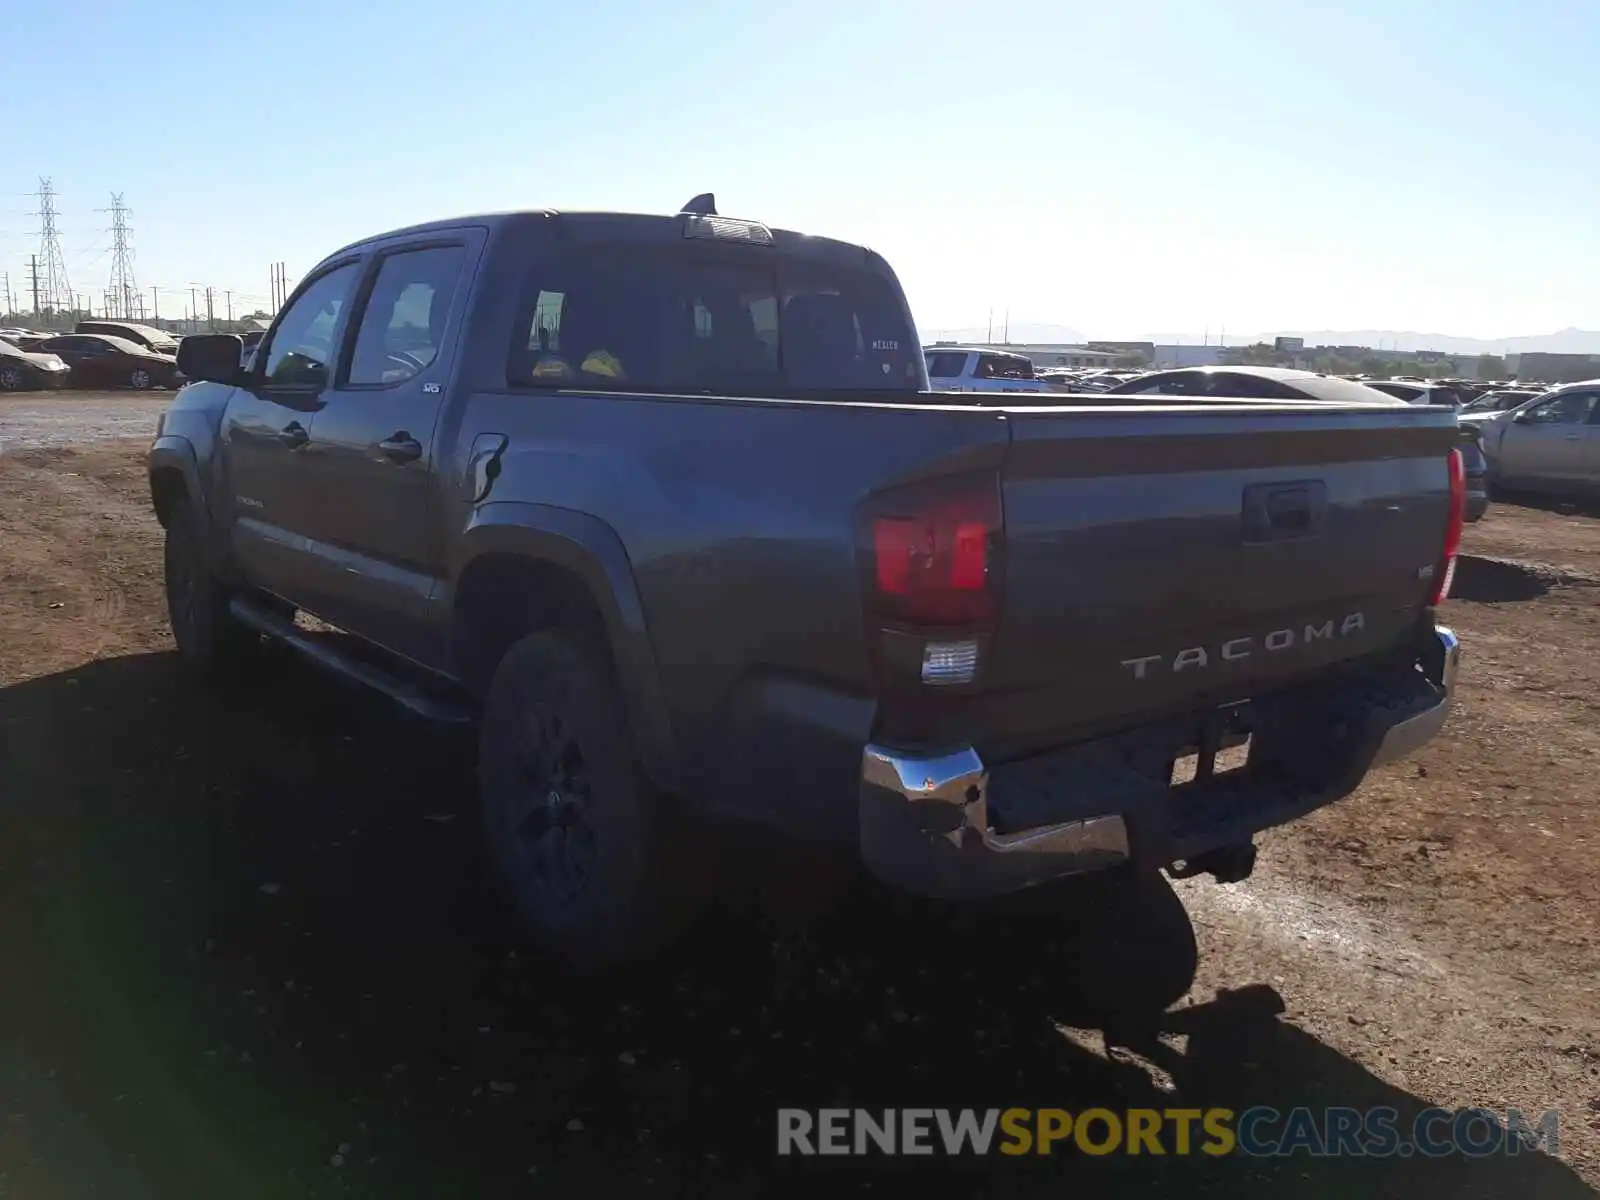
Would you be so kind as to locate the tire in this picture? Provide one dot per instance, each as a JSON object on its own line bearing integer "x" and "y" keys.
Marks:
{"x": 210, "y": 640}
{"x": 13, "y": 378}
{"x": 578, "y": 836}
{"x": 141, "y": 380}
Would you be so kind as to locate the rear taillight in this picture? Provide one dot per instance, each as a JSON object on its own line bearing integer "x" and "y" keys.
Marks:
{"x": 931, "y": 571}
{"x": 1446, "y": 572}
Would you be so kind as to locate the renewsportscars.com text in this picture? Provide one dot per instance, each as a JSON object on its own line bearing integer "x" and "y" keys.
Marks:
{"x": 1260, "y": 1131}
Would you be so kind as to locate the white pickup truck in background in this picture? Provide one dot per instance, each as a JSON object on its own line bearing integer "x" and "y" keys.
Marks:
{"x": 978, "y": 369}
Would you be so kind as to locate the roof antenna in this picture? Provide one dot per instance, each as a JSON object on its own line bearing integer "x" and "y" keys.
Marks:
{"x": 705, "y": 205}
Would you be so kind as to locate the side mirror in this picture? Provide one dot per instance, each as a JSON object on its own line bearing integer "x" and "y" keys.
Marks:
{"x": 213, "y": 357}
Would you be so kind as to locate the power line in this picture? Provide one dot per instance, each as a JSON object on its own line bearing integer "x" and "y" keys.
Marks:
{"x": 123, "y": 298}
{"x": 54, "y": 292}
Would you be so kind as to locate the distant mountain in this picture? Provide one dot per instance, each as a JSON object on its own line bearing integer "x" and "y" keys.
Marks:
{"x": 1565, "y": 341}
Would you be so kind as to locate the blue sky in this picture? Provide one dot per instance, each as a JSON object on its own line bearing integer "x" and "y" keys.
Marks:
{"x": 1121, "y": 168}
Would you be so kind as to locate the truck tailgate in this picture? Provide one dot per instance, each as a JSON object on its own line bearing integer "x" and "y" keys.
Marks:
{"x": 1161, "y": 558}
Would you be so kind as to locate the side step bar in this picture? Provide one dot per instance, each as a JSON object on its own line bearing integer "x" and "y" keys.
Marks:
{"x": 429, "y": 705}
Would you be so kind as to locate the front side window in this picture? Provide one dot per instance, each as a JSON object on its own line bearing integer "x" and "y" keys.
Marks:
{"x": 403, "y": 322}
{"x": 1572, "y": 409}
{"x": 301, "y": 349}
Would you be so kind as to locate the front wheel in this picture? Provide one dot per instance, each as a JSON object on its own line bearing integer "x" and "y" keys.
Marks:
{"x": 578, "y": 835}
{"x": 211, "y": 641}
{"x": 12, "y": 378}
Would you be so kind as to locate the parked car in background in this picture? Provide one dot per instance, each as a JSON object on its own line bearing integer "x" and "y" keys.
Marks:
{"x": 247, "y": 351}
{"x": 112, "y": 362}
{"x": 1288, "y": 383}
{"x": 1247, "y": 383}
{"x": 1548, "y": 444}
{"x": 29, "y": 370}
{"x": 975, "y": 369}
{"x": 27, "y": 339}
{"x": 1418, "y": 391}
{"x": 147, "y": 336}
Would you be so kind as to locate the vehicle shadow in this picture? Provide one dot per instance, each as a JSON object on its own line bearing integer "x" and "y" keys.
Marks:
{"x": 250, "y": 952}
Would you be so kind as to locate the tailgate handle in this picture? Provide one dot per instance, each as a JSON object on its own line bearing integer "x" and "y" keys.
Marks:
{"x": 1276, "y": 512}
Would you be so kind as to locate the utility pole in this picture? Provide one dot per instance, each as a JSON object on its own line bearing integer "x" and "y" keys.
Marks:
{"x": 194, "y": 309}
{"x": 229, "y": 295}
{"x": 211, "y": 316}
{"x": 8, "y": 293}
{"x": 155, "y": 303}
{"x": 33, "y": 272}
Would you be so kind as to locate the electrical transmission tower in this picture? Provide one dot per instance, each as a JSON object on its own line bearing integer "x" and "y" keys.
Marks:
{"x": 55, "y": 293}
{"x": 123, "y": 298}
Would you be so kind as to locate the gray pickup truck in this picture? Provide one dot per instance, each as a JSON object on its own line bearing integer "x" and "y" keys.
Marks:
{"x": 665, "y": 506}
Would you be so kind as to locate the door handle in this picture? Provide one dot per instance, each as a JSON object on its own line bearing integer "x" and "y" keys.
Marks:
{"x": 294, "y": 435}
{"x": 401, "y": 447}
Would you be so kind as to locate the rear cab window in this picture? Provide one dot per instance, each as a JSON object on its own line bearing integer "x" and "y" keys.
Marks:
{"x": 698, "y": 319}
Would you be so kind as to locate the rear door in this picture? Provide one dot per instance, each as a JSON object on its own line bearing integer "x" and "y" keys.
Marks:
{"x": 374, "y": 548}
{"x": 1589, "y": 462}
{"x": 1153, "y": 559}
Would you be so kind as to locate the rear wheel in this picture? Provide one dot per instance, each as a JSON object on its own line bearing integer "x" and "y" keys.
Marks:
{"x": 580, "y": 838}
{"x": 141, "y": 379}
{"x": 210, "y": 639}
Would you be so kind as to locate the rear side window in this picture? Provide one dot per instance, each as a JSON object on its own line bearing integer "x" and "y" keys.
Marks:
{"x": 678, "y": 322}
{"x": 946, "y": 364}
{"x": 1400, "y": 391}
{"x": 403, "y": 324}
{"x": 1003, "y": 366}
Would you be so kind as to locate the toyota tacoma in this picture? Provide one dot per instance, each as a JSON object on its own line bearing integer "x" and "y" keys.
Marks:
{"x": 664, "y": 505}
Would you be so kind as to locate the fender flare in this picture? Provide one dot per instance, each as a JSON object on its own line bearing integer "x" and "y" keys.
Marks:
{"x": 172, "y": 452}
{"x": 591, "y": 550}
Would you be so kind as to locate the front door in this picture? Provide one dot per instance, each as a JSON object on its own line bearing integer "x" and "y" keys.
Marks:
{"x": 92, "y": 360}
{"x": 1589, "y": 462}
{"x": 1543, "y": 445}
{"x": 375, "y": 546}
{"x": 267, "y": 426}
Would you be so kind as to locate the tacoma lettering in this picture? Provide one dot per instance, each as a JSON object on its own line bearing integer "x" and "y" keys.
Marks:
{"x": 1275, "y": 641}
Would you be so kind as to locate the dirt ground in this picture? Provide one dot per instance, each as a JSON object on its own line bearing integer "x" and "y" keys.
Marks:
{"x": 249, "y": 950}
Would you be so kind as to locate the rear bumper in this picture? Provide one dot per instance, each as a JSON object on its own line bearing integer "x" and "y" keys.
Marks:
{"x": 926, "y": 820}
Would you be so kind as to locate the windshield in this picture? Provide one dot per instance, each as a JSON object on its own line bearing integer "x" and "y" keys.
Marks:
{"x": 1494, "y": 401}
